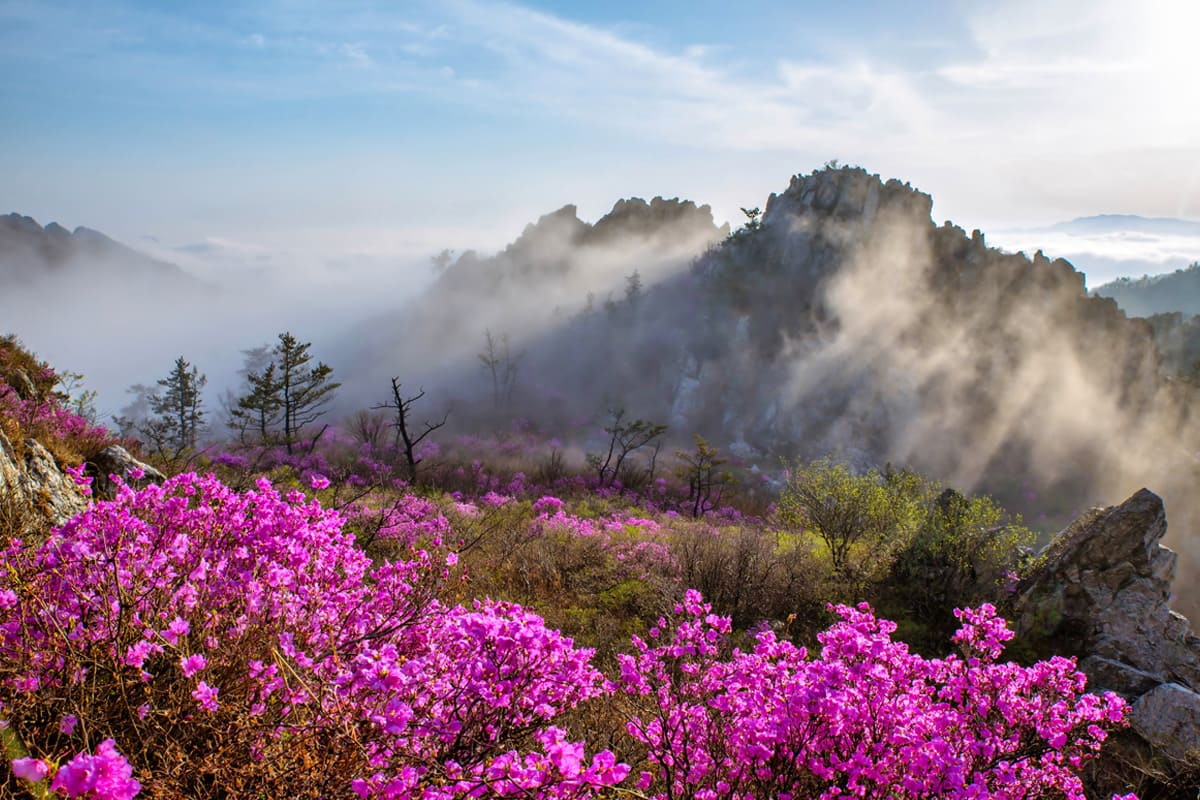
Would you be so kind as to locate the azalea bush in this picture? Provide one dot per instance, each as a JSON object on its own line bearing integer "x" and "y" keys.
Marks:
{"x": 865, "y": 718}
{"x": 217, "y": 643}
{"x": 32, "y": 406}
{"x": 242, "y": 644}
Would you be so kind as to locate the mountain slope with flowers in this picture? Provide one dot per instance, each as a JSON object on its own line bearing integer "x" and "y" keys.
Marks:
{"x": 310, "y": 624}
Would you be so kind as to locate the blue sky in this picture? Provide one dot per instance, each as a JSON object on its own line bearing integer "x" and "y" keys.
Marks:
{"x": 389, "y": 130}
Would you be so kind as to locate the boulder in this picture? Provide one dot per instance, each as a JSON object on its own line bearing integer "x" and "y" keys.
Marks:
{"x": 1168, "y": 717}
{"x": 1102, "y": 592}
{"x": 116, "y": 460}
{"x": 30, "y": 478}
{"x": 48, "y": 488}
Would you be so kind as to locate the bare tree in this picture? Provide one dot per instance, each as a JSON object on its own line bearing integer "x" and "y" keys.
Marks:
{"x": 406, "y": 437}
{"x": 699, "y": 469}
{"x": 367, "y": 428}
{"x": 624, "y": 439}
{"x": 498, "y": 360}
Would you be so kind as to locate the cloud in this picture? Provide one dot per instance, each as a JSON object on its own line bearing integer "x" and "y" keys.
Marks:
{"x": 1106, "y": 253}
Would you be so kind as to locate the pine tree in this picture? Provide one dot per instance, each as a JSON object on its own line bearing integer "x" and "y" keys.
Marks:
{"x": 181, "y": 403}
{"x": 169, "y": 416}
{"x": 304, "y": 391}
{"x": 286, "y": 395}
{"x": 258, "y": 409}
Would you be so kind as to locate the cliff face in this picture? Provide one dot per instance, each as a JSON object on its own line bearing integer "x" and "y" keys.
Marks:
{"x": 557, "y": 266}
{"x": 848, "y": 322}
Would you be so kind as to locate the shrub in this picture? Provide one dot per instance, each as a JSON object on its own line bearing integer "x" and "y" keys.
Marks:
{"x": 242, "y": 645}
{"x": 866, "y": 718}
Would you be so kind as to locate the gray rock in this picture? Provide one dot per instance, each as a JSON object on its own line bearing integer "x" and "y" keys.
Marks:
{"x": 10, "y": 467}
{"x": 116, "y": 460}
{"x": 1168, "y": 717}
{"x": 31, "y": 477}
{"x": 24, "y": 386}
{"x": 48, "y": 488}
{"x": 1103, "y": 593}
{"x": 1115, "y": 676}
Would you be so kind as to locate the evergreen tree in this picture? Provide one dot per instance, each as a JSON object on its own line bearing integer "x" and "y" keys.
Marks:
{"x": 168, "y": 417}
{"x": 180, "y": 404}
{"x": 286, "y": 395}
{"x": 258, "y": 410}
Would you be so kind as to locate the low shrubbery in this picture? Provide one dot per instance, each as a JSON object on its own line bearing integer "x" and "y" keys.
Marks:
{"x": 32, "y": 407}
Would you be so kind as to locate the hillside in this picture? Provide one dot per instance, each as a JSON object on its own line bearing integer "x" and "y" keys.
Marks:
{"x": 323, "y": 623}
{"x": 843, "y": 320}
{"x": 32, "y": 254}
{"x": 1177, "y": 291}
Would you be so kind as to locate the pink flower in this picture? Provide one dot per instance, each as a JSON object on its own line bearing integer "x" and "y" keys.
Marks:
{"x": 206, "y": 696}
{"x": 548, "y": 505}
{"x": 451, "y": 559}
{"x": 30, "y": 769}
{"x": 68, "y": 723}
{"x": 318, "y": 481}
{"x": 193, "y": 664}
{"x": 103, "y": 776}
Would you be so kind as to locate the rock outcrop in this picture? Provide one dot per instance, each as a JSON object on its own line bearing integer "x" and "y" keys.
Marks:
{"x": 31, "y": 480}
{"x": 116, "y": 460}
{"x": 1102, "y": 593}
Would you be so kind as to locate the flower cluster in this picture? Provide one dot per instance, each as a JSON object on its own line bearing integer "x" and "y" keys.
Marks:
{"x": 248, "y": 636}
{"x": 866, "y": 718}
{"x": 637, "y": 545}
{"x": 106, "y": 775}
{"x": 191, "y": 617}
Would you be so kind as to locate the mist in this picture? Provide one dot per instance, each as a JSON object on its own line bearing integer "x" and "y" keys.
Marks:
{"x": 120, "y": 316}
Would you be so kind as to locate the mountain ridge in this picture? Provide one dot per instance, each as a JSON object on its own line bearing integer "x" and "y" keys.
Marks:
{"x": 30, "y": 252}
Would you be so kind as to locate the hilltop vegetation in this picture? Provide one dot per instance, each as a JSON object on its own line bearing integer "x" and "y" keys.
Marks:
{"x": 1174, "y": 292}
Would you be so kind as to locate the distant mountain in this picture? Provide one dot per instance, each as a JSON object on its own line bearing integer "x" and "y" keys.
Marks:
{"x": 1177, "y": 291}
{"x": 1129, "y": 223}
{"x": 1109, "y": 246}
{"x": 32, "y": 254}
{"x": 558, "y": 267}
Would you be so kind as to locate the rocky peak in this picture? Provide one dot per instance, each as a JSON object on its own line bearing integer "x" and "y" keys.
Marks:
{"x": 29, "y": 251}
{"x": 659, "y": 217}
{"x": 845, "y": 193}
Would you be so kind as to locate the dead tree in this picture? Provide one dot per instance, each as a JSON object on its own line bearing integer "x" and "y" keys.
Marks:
{"x": 624, "y": 439}
{"x": 406, "y": 439}
{"x": 498, "y": 360}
